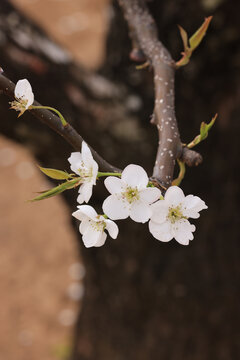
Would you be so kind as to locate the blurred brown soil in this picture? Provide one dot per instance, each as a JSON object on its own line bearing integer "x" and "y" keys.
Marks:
{"x": 40, "y": 278}
{"x": 79, "y": 25}
{"x": 37, "y": 251}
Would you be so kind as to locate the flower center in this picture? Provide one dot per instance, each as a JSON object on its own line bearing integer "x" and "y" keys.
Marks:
{"x": 85, "y": 173}
{"x": 175, "y": 214}
{"x": 98, "y": 225}
{"x": 131, "y": 194}
{"x": 19, "y": 105}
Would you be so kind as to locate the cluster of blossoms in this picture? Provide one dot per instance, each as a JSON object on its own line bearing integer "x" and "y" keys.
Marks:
{"x": 131, "y": 196}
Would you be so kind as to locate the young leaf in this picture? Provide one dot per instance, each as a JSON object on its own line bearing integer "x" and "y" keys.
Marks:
{"x": 204, "y": 129}
{"x": 57, "y": 190}
{"x": 55, "y": 174}
{"x": 184, "y": 37}
{"x": 197, "y": 37}
{"x": 194, "y": 41}
{"x": 184, "y": 59}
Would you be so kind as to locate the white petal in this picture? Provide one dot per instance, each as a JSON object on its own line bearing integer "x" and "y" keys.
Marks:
{"x": 102, "y": 240}
{"x": 140, "y": 211}
{"x": 80, "y": 199}
{"x": 88, "y": 211}
{"x": 112, "y": 228}
{"x": 160, "y": 211}
{"x": 182, "y": 231}
{"x": 91, "y": 237}
{"x": 135, "y": 176}
{"x": 174, "y": 195}
{"x": 113, "y": 184}
{"x": 192, "y": 205}
{"x": 85, "y": 192}
{"x": 162, "y": 231}
{"x": 150, "y": 195}
{"x": 30, "y": 99}
{"x": 75, "y": 161}
{"x": 87, "y": 155}
{"x": 79, "y": 215}
{"x": 23, "y": 90}
{"x": 115, "y": 207}
{"x": 84, "y": 225}
{"x": 94, "y": 172}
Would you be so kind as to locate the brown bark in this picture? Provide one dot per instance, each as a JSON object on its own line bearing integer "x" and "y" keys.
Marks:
{"x": 145, "y": 299}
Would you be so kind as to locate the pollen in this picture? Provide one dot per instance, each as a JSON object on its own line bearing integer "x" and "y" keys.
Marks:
{"x": 131, "y": 194}
{"x": 19, "y": 105}
{"x": 175, "y": 214}
{"x": 85, "y": 173}
{"x": 98, "y": 225}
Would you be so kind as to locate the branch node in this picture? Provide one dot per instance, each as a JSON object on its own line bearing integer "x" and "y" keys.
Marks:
{"x": 190, "y": 157}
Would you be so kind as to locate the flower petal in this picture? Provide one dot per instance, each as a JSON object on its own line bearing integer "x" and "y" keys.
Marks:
{"x": 150, "y": 195}
{"x": 174, "y": 195}
{"x": 182, "y": 231}
{"x": 88, "y": 211}
{"x": 160, "y": 211}
{"x": 23, "y": 90}
{"x": 115, "y": 207}
{"x": 80, "y": 199}
{"x": 79, "y": 215}
{"x": 140, "y": 211}
{"x": 91, "y": 237}
{"x": 87, "y": 155}
{"x": 30, "y": 99}
{"x": 113, "y": 184}
{"x": 85, "y": 192}
{"x": 84, "y": 225}
{"x": 112, "y": 228}
{"x": 102, "y": 240}
{"x": 192, "y": 205}
{"x": 94, "y": 171}
{"x": 162, "y": 231}
{"x": 75, "y": 161}
{"x": 135, "y": 176}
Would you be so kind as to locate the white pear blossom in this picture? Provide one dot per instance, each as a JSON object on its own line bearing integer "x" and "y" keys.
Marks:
{"x": 170, "y": 216}
{"x": 93, "y": 225}
{"x": 130, "y": 195}
{"x": 23, "y": 95}
{"x": 86, "y": 167}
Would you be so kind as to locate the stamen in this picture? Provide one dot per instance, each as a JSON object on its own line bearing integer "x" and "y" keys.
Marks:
{"x": 131, "y": 194}
{"x": 175, "y": 214}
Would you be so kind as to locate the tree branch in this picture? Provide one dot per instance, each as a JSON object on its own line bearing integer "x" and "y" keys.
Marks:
{"x": 143, "y": 30}
{"x": 51, "y": 120}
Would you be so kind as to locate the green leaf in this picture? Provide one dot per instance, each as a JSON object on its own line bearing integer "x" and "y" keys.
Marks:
{"x": 184, "y": 37}
{"x": 58, "y": 189}
{"x": 204, "y": 129}
{"x": 194, "y": 41}
{"x": 197, "y": 37}
{"x": 55, "y": 174}
{"x": 184, "y": 59}
{"x": 62, "y": 351}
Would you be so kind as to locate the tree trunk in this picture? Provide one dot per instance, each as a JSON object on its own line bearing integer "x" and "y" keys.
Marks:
{"x": 145, "y": 299}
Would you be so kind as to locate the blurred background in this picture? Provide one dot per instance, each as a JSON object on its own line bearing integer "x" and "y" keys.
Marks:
{"x": 135, "y": 298}
{"x": 34, "y": 326}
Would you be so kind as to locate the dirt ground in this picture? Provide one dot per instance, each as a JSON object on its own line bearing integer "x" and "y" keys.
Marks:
{"x": 79, "y": 25}
{"x": 37, "y": 247}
